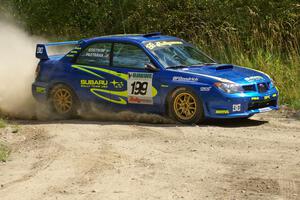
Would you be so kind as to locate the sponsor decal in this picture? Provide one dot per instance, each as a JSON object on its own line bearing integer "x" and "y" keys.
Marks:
{"x": 254, "y": 78}
{"x": 205, "y": 89}
{"x": 140, "y": 75}
{"x": 264, "y": 109}
{"x": 222, "y": 112}
{"x": 139, "y": 100}
{"x": 94, "y": 83}
{"x": 164, "y": 86}
{"x": 254, "y": 98}
{"x": 180, "y": 78}
{"x": 139, "y": 88}
{"x": 40, "y": 50}
{"x": 152, "y": 45}
{"x": 274, "y": 95}
{"x": 117, "y": 84}
{"x": 236, "y": 107}
{"x": 266, "y": 97}
{"x": 40, "y": 90}
{"x": 101, "y": 83}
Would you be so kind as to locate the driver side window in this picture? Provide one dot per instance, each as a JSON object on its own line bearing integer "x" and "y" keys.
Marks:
{"x": 129, "y": 56}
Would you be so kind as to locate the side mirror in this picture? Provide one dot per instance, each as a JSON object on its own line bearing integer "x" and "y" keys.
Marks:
{"x": 151, "y": 67}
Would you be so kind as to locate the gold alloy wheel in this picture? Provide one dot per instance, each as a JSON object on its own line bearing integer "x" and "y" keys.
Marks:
{"x": 62, "y": 100}
{"x": 185, "y": 106}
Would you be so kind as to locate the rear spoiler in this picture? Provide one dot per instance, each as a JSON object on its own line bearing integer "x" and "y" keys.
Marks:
{"x": 41, "y": 49}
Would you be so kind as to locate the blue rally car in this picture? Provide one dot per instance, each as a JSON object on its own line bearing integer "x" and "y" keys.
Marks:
{"x": 149, "y": 73}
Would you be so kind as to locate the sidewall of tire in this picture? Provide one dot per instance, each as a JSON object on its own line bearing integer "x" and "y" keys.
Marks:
{"x": 75, "y": 103}
{"x": 197, "y": 118}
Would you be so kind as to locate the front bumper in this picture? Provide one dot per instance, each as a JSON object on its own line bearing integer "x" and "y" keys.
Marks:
{"x": 241, "y": 105}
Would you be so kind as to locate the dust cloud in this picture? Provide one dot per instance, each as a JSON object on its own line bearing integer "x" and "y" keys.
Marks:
{"x": 94, "y": 113}
{"x": 17, "y": 67}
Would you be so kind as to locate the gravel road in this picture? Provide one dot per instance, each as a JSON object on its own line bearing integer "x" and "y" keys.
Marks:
{"x": 254, "y": 159}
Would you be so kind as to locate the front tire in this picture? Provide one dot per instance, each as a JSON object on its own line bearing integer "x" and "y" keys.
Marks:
{"x": 186, "y": 107}
{"x": 63, "y": 101}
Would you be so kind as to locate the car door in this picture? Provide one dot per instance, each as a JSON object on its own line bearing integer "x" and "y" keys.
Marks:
{"x": 139, "y": 85}
{"x": 88, "y": 73}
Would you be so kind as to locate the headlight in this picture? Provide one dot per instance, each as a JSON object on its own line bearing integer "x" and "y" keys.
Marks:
{"x": 229, "y": 87}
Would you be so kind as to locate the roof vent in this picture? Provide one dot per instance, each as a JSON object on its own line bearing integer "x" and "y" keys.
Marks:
{"x": 224, "y": 67}
{"x": 152, "y": 34}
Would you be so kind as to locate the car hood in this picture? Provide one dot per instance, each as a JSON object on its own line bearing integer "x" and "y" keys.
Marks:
{"x": 226, "y": 72}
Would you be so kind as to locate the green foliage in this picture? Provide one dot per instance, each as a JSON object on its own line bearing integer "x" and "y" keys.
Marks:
{"x": 4, "y": 152}
{"x": 2, "y": 123}
{"x": 260, "y": 34}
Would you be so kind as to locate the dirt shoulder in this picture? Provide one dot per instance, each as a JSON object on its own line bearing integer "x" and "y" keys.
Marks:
{"x": 234, "y": 159}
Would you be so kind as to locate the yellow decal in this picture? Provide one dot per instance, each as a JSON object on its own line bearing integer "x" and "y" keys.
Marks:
{"x": 154, "y": 91}
{"x": 86, "y": 70}
{"x": 120, "y": 75}
{"x": 153, "y": 45}
{"x": 274, "y": 95}
{"x": 40, "y": 90}
{"x": 118, "y": 94}
{"x": 222, "y": 112}
{"x": 255, "y": 98}
{"x": 266, "y": 97}
{"x": 117, "y": 84}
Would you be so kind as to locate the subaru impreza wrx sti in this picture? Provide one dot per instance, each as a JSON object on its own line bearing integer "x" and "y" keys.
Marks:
{"x": 149, "y": 73}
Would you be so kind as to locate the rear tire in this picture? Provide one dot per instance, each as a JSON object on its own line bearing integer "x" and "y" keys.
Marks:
{"x": 63, "y": 101}
{"x": 186, "y": 107}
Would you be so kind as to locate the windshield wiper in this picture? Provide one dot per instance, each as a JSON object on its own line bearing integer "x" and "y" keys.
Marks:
{"x": 201, "y": 64}
{"x": 177, "y": 67}
{"x": 207, "y": 64}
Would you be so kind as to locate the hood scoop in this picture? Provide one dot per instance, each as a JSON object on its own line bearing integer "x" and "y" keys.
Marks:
{"x": 222, "y": 67}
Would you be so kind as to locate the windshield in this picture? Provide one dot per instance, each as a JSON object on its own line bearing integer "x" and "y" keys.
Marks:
{"x": 178, "y": 54}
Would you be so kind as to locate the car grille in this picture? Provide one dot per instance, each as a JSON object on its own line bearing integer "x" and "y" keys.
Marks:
{"x": 261, "y": 104}
{"x": 261, "y": 87}
{"x": 248, "y": 88}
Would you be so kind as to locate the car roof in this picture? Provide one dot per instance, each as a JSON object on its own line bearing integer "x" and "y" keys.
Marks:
{"x": 138, "y": 38}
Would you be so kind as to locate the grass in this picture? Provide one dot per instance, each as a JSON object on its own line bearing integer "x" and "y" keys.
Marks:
{"x": 2, "y": 123}
{"x": 285, "y": 73}
{"x": 4, "y": 152}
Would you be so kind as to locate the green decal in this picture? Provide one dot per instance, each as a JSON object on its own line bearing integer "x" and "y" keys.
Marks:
{"x": 119, "y": 94}
{"x": 40, "y": 90}
{"x": 86, "y": 70}
{"x": 222, "y": 112}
